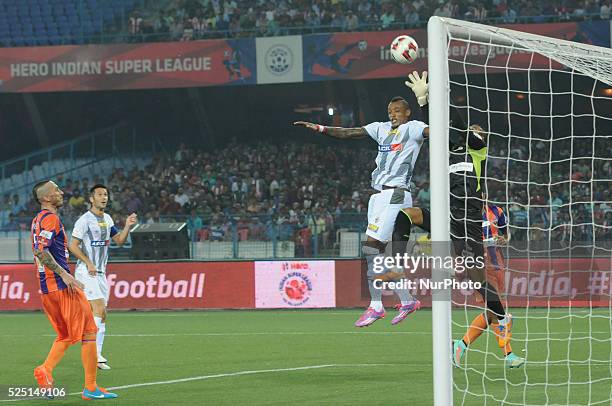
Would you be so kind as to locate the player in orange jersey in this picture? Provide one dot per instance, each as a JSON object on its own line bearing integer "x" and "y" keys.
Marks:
{"x": 494, "y": 235}
{"x": 62, "y": 296}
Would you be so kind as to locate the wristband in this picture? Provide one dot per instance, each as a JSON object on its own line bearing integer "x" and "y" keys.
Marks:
{"x": 321, "y": 128}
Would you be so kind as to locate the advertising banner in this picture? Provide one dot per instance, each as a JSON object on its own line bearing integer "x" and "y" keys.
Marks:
{"x": 19, "y": 288}
{"x": 183, "y": 285}
{"x": 295, "y": 284}
{"x": 365, "y": 55}
{"x": 289, "y": 59}
{"x": 555, "y": 282}
{"x": 128, "y": 66}
{"x": 279, "y": 59}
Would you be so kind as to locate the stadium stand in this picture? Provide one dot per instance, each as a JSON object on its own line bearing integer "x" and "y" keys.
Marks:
{"x": 300, "y": 192}
{"x": 54, "y": 22}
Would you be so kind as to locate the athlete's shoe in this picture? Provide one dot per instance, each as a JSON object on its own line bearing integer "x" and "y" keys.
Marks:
{"x": 503, "y": 330}
{"x": 405, "y": 310}
{"x": 103, "y": 366}
{"x": 98, "y": 394}
{"x": 369, "y": 316}
{"x": 459, "y": 349}
{"x": 43, "y": 377}
{"x": 514, "y": 361}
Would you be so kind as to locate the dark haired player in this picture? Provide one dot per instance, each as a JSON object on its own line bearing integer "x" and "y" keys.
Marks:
{"x": 399, "y": 142}
{"x": 468, "y": 154}
{"x": 90, "y": 242}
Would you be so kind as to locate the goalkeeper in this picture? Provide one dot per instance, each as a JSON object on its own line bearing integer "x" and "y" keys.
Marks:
{"x": 468, "y": 153}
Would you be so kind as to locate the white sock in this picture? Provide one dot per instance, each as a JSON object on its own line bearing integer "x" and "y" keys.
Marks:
{"x": 100, "y": 335}
{"x": 377, "y": 305}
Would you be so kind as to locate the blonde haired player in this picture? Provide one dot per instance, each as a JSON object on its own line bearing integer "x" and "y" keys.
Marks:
{"x": 91, "y": 237}
{"x": 61, "y": 295}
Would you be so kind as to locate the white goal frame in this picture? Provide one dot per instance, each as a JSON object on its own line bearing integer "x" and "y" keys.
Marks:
{"x": 587, "y": 59}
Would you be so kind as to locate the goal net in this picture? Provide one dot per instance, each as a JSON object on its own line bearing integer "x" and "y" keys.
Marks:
{"x": 546, "y": 105}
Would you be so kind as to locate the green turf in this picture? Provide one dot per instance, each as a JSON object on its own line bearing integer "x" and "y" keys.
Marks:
{"x": 383, "y": 364}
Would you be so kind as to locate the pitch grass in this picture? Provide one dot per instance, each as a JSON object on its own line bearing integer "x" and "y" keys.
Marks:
{"x": 380, "y": 365}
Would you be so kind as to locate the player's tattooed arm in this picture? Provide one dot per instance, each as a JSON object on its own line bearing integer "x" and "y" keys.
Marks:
{"x": 45, "y": 258}
{"x": 346, "y": 133}
{"x": 336, "y": 132}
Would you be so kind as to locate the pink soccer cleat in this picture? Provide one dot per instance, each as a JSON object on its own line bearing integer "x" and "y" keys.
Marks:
{"x": 369, "y": 316}
{"x": 404, "y": 311}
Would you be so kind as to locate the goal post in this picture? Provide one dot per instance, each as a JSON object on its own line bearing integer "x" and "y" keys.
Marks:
{"x": 543, "y": 102}
{"x": 439, "y": 91}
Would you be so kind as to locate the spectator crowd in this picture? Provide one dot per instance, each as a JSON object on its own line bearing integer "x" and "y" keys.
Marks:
{"x": 194, "y": 19}
{"x": 306, "y": 192}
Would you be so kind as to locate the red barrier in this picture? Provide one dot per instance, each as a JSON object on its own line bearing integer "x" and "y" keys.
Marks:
{"x": 128, "y": 66}
{"x": 19, "y": 289}
{"x": 365, "y": 55}
{"x": 182, "y": 285}
{"x": 578, "y": 282}
{"x": 202, "y": 285}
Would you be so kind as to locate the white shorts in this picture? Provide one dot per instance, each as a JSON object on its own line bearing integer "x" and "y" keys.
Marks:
{"x": 383, "y": 209}
{"x": 96, "y": 287}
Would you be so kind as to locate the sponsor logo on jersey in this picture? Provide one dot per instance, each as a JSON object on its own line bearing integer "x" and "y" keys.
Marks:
{"x": 46, "y": 234}
{"x": 99, "y": 243}
{"x": 390, "y": 147}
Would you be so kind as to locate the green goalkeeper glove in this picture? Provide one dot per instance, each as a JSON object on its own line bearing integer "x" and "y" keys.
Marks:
{"x": 418, "y": 85}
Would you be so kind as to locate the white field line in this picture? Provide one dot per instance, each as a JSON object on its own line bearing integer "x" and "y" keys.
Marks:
{"x": 225, "y": 375}
{"x": 322, "y": 333}
{"x": 292, "y": 333}
{"x": 239, "y": 373}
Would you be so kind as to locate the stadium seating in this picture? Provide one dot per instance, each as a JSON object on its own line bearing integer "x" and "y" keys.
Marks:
{"x": 54, "y": 22}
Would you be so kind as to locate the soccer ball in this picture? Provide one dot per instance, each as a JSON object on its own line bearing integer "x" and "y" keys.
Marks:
{"x": 404, "y": 49}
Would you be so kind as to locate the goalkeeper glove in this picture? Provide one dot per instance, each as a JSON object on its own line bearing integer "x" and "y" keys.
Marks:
{"x": 418, "y": 85}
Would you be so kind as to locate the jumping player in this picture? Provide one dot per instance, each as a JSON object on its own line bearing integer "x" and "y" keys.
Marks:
{"x": 494, "y": 235}
{"x": 399, "y": 142}
{"x": 90, "y": 240}
{"x": 62, "y": 297}
{"x": 468, "y": 153}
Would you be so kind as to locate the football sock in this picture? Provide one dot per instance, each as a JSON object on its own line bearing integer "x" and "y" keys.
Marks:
{"x": 404, "y": 295}
{"x": 376, "y": 295}
{"x": 478, "y": 325}
{"x": 507, "y": 349}
{"x": 100, "y": 335}
{"x": 426, "y": 220}
{"x": 491, "y": 298}
{"x": 369, "y": 254}
{"x": 89, "y": 357}
{"x": 58, "y": 349}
